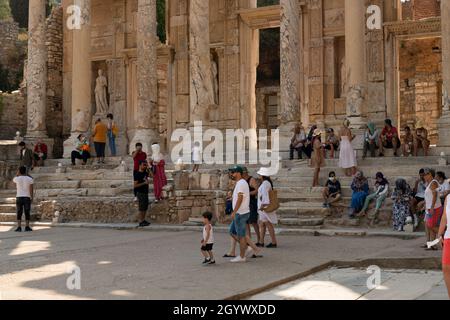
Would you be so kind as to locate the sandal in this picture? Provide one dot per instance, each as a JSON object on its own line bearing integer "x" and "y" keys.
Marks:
{"x": 228, "y": 256}
{"x": 255, "y": 256}
{"x": 271, "y": 245}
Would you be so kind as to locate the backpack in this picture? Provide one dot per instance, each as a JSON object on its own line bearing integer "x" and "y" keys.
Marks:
{"x": 115, "y": 130}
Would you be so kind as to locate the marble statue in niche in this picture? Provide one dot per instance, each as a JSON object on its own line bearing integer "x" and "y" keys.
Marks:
{"x": 101, "y": 89}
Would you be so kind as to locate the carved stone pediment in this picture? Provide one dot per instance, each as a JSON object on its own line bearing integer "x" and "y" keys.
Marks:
{"x": 425, "y": 26}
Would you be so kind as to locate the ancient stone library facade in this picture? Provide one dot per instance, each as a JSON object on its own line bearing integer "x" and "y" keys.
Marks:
{"x": 337, "y": 60}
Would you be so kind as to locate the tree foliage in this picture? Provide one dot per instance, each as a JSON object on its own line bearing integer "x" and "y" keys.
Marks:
{"x": 265, "y": 3}
{"x": 19, "y": 10}
{"x": 5, "y": 11}
{"x": 161, "y": 17}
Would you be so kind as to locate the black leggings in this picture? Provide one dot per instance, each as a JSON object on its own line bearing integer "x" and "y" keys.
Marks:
{"x": 23, "y": 204}
{"x": 100, "y": 149}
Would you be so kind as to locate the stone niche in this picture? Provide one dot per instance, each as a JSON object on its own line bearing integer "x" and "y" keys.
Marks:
{"x": 421, "y": 84}
{"x": 99, "y": 65}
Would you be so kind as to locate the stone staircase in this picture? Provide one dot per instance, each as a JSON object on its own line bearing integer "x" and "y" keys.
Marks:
{"x": 301, "y": 205}
{"x": 93, "y": 183}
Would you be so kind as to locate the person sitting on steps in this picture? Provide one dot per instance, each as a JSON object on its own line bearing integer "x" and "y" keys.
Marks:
{"x": 332, "y": 142}
{"x": 298, "y": 142}
{"x": 81, "y": 150}
{"x": 389, "y": 138}
{"x": 421, "y": 139}
{"x": 408, "y": 142}
{"x": 332, "y": 191}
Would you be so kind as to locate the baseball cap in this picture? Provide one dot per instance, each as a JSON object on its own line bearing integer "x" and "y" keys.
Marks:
{"x": 236, "y": 169}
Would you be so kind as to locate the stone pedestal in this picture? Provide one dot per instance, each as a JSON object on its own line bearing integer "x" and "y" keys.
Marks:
{"x": 145, "y": 136}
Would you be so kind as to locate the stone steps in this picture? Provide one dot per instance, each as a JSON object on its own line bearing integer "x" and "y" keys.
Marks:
{"x": 81, "y": 192}
{"x": 309, "y": 222}
{"x": 12, "y": 217}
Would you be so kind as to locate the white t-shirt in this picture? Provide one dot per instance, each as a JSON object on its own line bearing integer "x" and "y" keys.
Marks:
{"x": 23, "y": 186}
{"x": 444, "y": 187}
{"x": 263, "y": 195}
{"x": 242, "y": 187}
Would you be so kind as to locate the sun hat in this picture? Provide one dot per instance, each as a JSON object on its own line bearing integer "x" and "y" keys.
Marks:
{"x": 317, "y": 132}
{"x": 265, "y": 172}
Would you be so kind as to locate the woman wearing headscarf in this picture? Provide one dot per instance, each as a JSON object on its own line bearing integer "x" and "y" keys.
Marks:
{"x": 370, "y": 140}
{"x": 158, "y": 168}
{"x": 380, "y": 193}
{"x": 360, "y": 188}
{"x": 318, "y": 156}
{"x": 401, "y": 196}
{"x": 347, "y": 156}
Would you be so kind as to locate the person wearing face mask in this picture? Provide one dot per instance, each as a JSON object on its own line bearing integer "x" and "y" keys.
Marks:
{"x": 332, "y": 191}
{"x": 81, "y": 150}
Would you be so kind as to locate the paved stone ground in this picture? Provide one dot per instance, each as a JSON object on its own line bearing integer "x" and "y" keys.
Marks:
{"x": 351, "y": 284}
{"x": 163, "y": 264}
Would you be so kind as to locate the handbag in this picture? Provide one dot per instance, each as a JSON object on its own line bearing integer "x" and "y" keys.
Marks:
{"x": 274, "y": 203}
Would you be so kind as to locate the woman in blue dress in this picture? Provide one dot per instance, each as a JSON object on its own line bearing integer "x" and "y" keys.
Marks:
{"x": 360, "y": 188}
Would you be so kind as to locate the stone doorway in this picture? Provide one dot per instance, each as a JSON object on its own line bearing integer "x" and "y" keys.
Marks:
{"x": 260, "y": 43}
{"x": 420, "y": 84}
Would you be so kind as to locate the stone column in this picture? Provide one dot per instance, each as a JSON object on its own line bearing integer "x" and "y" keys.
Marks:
{"x": 201, "y": 89}
{"x": 355, "y": 13}
{"x": 147, "y": 79}
{"x": 444, "y": 121}
{"x": 81, "y": 77}
{"x": 36, "y": 71}
{"x": 289, "y": 112}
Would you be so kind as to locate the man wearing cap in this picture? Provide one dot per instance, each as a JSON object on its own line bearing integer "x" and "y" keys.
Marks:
{"x": 241, "y": 211}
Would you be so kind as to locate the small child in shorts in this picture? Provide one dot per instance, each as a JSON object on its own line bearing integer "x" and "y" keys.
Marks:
{"x": 208, "y": 239}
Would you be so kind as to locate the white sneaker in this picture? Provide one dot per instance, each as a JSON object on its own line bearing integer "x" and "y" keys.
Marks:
{"x": 249, "y": 252}
{"x": 238, "y": 259}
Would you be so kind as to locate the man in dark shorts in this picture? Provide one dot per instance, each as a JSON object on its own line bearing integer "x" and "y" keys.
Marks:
{"x": 253, "y": 220}
{"x": 141, "y": 182}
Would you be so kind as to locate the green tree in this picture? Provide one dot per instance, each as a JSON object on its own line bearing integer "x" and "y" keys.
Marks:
{"x": 161, "y": 17}
{"x": 19, "y": 10}
{"x": 5, "y": 10}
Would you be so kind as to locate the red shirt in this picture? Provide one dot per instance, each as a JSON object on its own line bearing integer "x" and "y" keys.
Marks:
{"x": 138, "y": 157}
{"x": 43, "y": 148}
{"x": 389, "y": 133}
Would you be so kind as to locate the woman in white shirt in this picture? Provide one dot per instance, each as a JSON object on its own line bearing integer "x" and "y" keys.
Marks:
{"x": 267, "y": 219}
{"x": 444, "y": 185}
{"x": 433, "y": 206}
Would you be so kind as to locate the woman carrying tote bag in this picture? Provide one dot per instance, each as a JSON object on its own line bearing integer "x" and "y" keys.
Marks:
{"x": 267, "y": 215}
